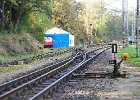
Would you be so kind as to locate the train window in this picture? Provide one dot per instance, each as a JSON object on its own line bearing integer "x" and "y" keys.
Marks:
{"x": 48, "y": 38}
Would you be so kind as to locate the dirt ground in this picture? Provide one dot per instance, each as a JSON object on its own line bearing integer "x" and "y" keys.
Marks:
{"x": 124, "y": 88}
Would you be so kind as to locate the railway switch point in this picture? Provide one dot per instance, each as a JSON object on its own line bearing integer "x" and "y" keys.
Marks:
{"x": 103, "y": 74}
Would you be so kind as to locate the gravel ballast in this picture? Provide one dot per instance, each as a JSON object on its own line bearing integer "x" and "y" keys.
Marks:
{"x": 7, "y": 76}
{"x": 99, "y": 88}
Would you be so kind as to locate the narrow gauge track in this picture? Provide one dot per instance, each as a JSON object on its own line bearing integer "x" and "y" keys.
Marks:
{"x": 23, "y": 79}
{"x": 36, "y": 87}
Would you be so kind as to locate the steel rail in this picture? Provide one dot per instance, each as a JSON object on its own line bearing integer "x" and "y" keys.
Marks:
{"x": 35, "y": 81}
{"x": 30, "y": 75}
{"x": 49, "y": 88}
{"x": 23, "y": 79}
{"x": 29, "y": 83}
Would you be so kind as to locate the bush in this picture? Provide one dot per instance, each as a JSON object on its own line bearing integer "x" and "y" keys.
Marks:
{"x": 15, "y": 44}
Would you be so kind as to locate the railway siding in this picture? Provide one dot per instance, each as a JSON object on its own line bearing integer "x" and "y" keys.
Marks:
{"x": 32, "y": 58}
{"x": 85, "y": 59}
{"x": 41, "y": 63}
{"x": 101, "y": 88}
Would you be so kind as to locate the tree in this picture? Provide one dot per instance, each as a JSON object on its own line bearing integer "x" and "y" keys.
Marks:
{"x": 17, "y": 10}
{"x": 66, "y": 15}
{"x": 114, "y": 26}
{"x": 94, "y": 18}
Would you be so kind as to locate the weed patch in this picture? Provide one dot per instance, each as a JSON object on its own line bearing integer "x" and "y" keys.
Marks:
{"x": 11, "y": 68}
{"x": 136, "y": 93}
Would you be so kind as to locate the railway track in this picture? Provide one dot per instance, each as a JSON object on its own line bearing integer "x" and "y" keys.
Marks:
{"x": 38, "y": 84}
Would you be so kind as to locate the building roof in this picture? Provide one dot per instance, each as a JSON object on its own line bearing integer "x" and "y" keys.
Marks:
{"x": 56, "y": 30}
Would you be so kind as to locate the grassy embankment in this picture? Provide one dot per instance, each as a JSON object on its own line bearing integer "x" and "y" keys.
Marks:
{"x": 132, "y": 55}
{"x": 6, "y": 58}
{"x": 20, "y": 56}
{"x": 20, "y": 46}
{"x": 17, "y": 57}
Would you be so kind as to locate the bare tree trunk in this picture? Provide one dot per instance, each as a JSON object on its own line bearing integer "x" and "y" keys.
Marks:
{"x": 10, "y": 16}
{"x": 0, "y": 16}
{"x": 18, "y": 20}
{"x": 2, "y": 19}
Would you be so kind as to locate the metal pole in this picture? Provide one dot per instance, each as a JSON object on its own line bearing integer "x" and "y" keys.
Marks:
{"x": 137, "y": 31}
{"x": 133, "y": 26}
{"x": 123, "y": 14}
{"x": 125, "y": 21}
{"x": 91, "y": 33}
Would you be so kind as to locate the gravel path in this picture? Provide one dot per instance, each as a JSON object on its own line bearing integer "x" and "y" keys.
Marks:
{"x": 30, "y": 67}
{"x": 123, "y": 89}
